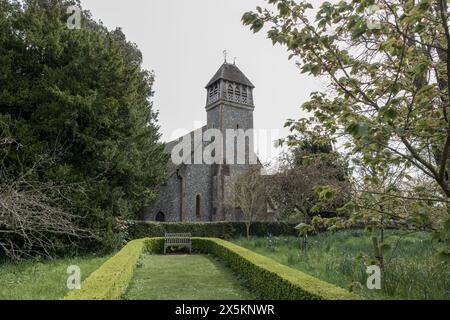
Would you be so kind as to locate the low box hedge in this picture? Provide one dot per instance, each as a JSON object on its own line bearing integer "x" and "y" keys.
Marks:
{"x": 222, "y": 230}
{"x": 111, "y": 280}
{"x": 267, "y": 277}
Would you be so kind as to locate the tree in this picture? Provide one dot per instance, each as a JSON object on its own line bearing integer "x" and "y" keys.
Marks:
{"x": 301, "y": 169}
{"x": 249, "y": 194}
{"x": 78, "y": 103}
{"x": 391, "y": 198}
{"x": 33, "y": 216}
{"x": 309, "y": 164}
{"x": 31, "y": 220}
{"x": 388, "y": 79}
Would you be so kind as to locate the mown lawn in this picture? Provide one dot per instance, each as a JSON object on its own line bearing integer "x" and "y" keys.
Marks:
{"x": 412, "y": 271}
{"x": 42, "y": 280}
{"x": 179, "y": 277}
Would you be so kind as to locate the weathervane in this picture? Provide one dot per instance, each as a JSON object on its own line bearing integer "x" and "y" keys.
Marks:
{"x": 225, "y": 53}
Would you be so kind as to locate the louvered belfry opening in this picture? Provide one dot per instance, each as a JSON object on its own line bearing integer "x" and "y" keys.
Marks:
{"x": 230, "y": 84}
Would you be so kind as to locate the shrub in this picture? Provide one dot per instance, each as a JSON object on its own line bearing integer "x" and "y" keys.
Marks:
{"x": 269, "y": 278}
{"x": 111, "y": 280}
{"x": 223, "y": 230}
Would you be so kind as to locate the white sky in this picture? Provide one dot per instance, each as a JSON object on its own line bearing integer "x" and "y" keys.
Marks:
{"x": 183, "y": 40}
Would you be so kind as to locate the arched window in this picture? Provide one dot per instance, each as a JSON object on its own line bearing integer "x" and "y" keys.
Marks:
{"x": 160, "y": 217}
{"x": 197, "y": 205}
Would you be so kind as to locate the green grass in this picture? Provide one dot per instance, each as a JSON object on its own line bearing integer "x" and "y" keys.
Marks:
{"x": 42, "y": 280}
{"x": 178, "y": 277}
{"x": 411, "y": 272}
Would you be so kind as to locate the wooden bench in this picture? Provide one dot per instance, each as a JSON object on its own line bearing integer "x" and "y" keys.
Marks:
{"x": 177, "y": 240}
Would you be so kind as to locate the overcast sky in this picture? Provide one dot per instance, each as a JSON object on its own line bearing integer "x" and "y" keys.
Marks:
{"x": 183, "y": 41}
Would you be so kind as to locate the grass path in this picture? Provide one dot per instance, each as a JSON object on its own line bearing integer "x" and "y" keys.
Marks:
{"x": 45, "y": 280}
{"x": 177, "y": 277}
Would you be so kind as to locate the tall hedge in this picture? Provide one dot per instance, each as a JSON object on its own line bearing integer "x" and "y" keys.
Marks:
{"x": 223, "y": 230}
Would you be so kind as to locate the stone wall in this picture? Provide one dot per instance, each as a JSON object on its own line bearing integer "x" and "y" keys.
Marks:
{"x": 182, "y": 189}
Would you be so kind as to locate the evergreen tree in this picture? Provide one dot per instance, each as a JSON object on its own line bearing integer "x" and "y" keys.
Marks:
{"x": 77, "y": 104}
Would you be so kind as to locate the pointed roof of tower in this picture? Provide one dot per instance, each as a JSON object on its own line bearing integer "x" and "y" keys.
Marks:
{"x": 232, "y": 73}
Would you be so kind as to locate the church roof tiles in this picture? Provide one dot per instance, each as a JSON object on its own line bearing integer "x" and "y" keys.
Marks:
{"x": 232, "y": 73}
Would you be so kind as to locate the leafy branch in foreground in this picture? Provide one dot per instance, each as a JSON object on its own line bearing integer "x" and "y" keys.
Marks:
{"x": 388, "y": 93}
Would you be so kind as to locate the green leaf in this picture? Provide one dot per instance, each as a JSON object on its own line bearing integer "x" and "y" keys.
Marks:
{"x": 389, "y": 113}
{"x": 359, "y": 32}
{"x": 283, "y": 8}
{"x": 303, "y": 228}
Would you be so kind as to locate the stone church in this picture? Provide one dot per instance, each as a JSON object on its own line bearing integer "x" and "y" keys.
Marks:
{"x": 198, "y": 192}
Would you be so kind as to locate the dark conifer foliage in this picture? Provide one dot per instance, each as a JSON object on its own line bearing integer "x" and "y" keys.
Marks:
{"x": 75, "y": 110}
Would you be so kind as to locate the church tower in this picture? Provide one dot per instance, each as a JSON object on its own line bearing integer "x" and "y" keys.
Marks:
{"x": 229, "y": 102}
{"x": 203, "y": 191}
{"x": 229, "y": 106}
